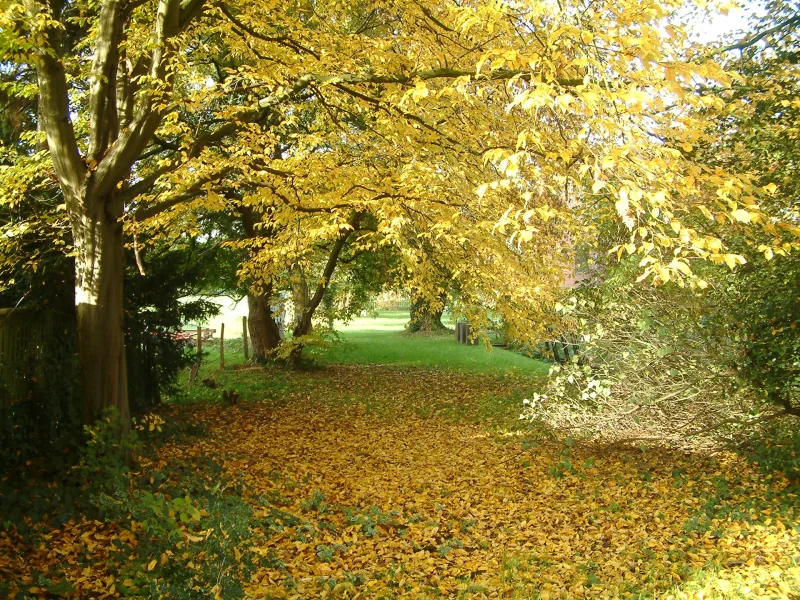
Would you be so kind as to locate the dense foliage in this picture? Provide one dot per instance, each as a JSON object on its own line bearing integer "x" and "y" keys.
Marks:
{"x": 473, "y": 143}
{"x": 719, "y": 359}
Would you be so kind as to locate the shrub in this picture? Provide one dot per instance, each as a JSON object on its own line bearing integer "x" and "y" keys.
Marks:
{"x": 190, "y": 523}
{"x": 689, "y": 367}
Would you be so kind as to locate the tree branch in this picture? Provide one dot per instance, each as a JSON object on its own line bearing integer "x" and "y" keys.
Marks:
{"x": 54, "y": 107}
{"x": 102, "y": 89}
{"x": 190, "y": 193}
{"x": 330, "y": 266}
{"x": 751, "y": 41}
{"x": 282, "y": 40}
{"x": 433, "y": 18}
{"x": 117, "y": 162}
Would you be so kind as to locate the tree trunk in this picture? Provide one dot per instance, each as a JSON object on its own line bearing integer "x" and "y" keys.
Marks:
{"x": 303, "y": 323}
{"x": 302, "y": 327}
{"x": 300, "y": 298}
{"x": 425, "y": 319}
{"x": 99, "y": 272}
{"x": 265, "y": 335}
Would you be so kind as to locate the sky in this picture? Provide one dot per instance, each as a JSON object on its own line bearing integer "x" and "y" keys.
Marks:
{"x": 709, "y": 29}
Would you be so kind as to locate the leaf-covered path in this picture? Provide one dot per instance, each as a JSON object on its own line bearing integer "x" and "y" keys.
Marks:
{"x": 371, "y": 485}
{"x": 386, "y": 482}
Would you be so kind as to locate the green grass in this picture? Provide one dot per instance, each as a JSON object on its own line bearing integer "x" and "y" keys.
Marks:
{"x": 251, "y": 383}
{"x": 397, "y": 348}
{"x": 366, "y": 340}
{"x": 387, "y": 320}
{"x": 382, "y": 340}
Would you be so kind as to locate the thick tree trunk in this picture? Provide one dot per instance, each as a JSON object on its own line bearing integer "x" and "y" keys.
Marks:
{"x": 99, "y": 272}
{"x": 265, "y": 335}
{"x": 425, "y": 319}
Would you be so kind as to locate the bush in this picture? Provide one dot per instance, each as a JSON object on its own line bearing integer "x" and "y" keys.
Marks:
{"x": 190, "y": 523}
{"x": 184, "y": 530}
{"x": 689, "y": 367}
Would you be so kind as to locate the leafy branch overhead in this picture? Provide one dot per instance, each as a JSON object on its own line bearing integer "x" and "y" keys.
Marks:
{"x": 481, "y": 140}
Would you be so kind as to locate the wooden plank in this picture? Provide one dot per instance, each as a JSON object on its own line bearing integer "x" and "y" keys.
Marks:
{"x": 22, "y": 341}
{"x": 7, "y": 312}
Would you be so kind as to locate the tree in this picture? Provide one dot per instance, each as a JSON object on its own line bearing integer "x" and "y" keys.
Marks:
{"x": 122, "y": 112}
{"x": 700, "y": 365}
{"x": 538, "y": 108}
{"x": 762, "y": 133}
{"x": 425, "y": 317}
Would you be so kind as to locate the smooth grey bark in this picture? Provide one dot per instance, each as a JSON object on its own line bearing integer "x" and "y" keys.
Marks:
{"x": 265, "y": 336}
{"x": 99, "y": 264}
{"x": 300, "y": 296}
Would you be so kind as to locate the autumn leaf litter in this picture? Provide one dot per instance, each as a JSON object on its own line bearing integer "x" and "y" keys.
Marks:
{"x": 394, "y": 493}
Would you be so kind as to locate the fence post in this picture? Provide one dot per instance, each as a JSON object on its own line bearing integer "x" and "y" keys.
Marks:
{"x": 222, "y": 346}
{"x": 199, "y": 341}
{"x": 244, "y": 338}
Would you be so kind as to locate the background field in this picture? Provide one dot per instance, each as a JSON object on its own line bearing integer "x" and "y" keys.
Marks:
{"x": 382, "y": 340}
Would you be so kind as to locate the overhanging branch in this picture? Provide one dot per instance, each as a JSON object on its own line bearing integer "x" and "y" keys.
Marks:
{"x": 753, "y": 40}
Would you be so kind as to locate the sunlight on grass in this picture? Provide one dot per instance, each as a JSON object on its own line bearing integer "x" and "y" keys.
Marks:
{"x": 382, "y": 340}
{"x": 397, "y": 348}
{"x": 388, "y": 320}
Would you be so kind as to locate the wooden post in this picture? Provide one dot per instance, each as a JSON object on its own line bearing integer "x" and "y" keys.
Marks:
{"x": 196, "y": 365}
{"x": 222, "y": 346}
{"x": 244, "y": 338}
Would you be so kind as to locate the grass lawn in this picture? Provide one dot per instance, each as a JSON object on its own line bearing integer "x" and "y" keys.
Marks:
{"x": 382, "y": 340}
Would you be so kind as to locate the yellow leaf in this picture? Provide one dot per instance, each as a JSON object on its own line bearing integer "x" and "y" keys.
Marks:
{"x": 152, "y": 565}
{"x": 622, "y": 204}
{"x": 733, "y": 259}
{"x": 682, "y": 267}
{"x": 563, "y": 101}
{"x": 741, "y": 215}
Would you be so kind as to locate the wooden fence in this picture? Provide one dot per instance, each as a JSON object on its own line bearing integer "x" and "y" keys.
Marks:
{"x": 23, "y": 334}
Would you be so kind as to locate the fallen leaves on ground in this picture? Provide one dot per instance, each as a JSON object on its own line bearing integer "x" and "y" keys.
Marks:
{"x": 366, "y": 486}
